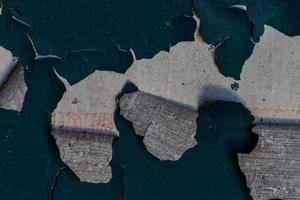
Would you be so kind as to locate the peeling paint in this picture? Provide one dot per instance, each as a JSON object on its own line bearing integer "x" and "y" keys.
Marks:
{"x": 20, "y": 21}
{"x": 189, "y": 75}
{"x": 7, "y": 64}
{"x": 87, "y": 154}
{"x": 12, "y": 83}
{"x": 1, "y": 7}
{"x": 13, "y": 93}
{"x": 84, "y": 119}
{"x": 272, "y": 169}
{"x": 241, "y": 7}
{"x": 197, "y": 36}
{"x": 168, "y": 129}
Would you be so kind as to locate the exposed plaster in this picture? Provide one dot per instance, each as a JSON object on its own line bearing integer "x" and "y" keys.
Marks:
{"x": 272, "y": 169}
{"x": 12, "y": 84}
{"x": 84, "y": 118}
{"x": 168, "y": 129}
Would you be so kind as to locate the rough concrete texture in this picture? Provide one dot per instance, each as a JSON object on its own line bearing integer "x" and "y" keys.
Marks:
{"x": 86, "y": 113}
{"x": 272, "y": 169}
{"x": 87, "y": 154}
{"x": 168, "y": 129}
{"x": 12, "y": 83}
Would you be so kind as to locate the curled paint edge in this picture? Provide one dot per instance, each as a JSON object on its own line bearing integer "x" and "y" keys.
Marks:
{"x": 20, "y": 21}
{"x": 240, "y": 7}
{"x": 1, "y": 6}
{"x": 6, "y": 70}
{"x": 37, "y": 56}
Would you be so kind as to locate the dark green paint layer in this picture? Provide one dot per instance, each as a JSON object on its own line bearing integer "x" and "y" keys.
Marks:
{"x": 90, "y": 35}
{"x": 235, "y": 31}
{"x": 106, "y": 30}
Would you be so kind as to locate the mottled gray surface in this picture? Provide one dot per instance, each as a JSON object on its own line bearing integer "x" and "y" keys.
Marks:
{"x": 84, "y": 117}
{"x": 7, "y": 64}
{"x": 168, "y": 128}
{"x": 13, "y": 92}
{"x": 87, "y": 154}
{"x": 272, "y": 169}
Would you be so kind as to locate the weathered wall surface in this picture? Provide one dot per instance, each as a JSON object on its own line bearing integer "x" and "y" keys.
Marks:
{"x": 12, "y": 84}
{"x": 272, "y": 169}
{"x": 168, "y": 129}
{"x": 268, "y": 85}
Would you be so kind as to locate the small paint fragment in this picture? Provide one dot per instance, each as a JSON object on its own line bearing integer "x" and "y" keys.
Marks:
{"x": 272, "y": 169}
{"x": 37, "y": 56}
{"x": 192, "y": 64}
{"x": 168, "y": 129}
{"x": 20, "y": 21}
{"x": 7, "y": 65}
{"x": 235, "y": 86}
{"x": 13, "y": 93}
{"x": 240, "y": 7}
{"x": 1, "y": 6}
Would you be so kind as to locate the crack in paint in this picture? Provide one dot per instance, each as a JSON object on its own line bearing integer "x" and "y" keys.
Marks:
{"x": 55, "y": 182}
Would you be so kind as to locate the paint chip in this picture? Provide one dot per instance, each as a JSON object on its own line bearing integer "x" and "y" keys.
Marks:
{"x": 12, "y": 82}
{"x": 168, "y": 129}
{"x": 83, "y": 125}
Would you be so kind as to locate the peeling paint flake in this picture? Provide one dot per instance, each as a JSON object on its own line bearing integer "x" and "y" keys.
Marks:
{"x": 241, "y": 7}
{"x": 1, "y": 7}
{"x": 168, "y": 129}
{"x": 20, "y": 21}
{"x": 83, "y": 125}
{"x": 268, "y": 86}
{"x": 12, "y": 83}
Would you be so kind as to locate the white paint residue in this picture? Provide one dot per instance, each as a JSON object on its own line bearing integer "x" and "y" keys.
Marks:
{"x": 37, "y": 56}
{"x": 241, "y": 7}
{"x": 20, "y": 21}
{"x": 197, "y": 36}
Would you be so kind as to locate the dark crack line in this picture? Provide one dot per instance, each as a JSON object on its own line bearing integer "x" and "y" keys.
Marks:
{"x": 55, "y": 181}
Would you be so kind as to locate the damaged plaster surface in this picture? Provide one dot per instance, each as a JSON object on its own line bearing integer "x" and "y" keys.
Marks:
{"x": 268, "y": 85}
{"x": 207, "y": 171}
{"x": 272, "y": 169}
{"x": 168, "y": 129}
{"x": 12, "y": 84}
{"x": 87, "y": 154}
{"x": 97, "y": 35}
{"x": 83, "y": 125}
{"x": 188, "y": 75}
